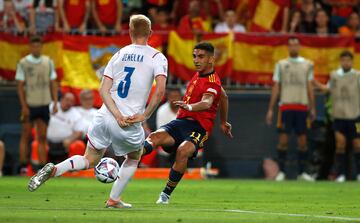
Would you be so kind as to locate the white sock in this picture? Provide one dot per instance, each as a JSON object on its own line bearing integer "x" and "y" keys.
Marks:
{"x": 76, "y": 162}
{"x": 126, "y": 172}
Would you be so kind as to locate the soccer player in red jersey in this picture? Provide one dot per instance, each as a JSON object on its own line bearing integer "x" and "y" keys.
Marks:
{"x": 195, "y": 118}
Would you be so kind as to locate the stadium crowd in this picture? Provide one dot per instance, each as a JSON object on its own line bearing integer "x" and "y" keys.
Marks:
{"x": 111, "y": 17}
{"x": 107, "y": 17}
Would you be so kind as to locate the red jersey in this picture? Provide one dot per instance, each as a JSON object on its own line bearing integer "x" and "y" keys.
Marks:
{"x": 107, "y": 11}
{"x": 199, "y": 85}
{"x": 75, "y": 12}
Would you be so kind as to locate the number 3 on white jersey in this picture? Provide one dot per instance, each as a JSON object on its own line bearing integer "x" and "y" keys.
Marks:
{"x": 124, "y": 85}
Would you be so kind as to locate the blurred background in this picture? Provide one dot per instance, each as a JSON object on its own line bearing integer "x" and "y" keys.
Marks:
{"x": 250, "y": 36}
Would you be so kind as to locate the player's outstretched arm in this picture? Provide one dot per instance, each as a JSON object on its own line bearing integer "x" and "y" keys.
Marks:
{"x": 225, "y": 126}
{"x": 318, "y": 85}
{"x": 105, "y": 87}
{"x": 205, "y": 103}
{"x": 154, "y": 101}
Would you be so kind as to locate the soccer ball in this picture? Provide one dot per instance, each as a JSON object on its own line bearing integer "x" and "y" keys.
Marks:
{"x": 106, "y": 171}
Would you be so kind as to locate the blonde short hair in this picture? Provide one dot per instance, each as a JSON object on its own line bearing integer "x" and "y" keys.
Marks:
{"x": 140, "y": 26}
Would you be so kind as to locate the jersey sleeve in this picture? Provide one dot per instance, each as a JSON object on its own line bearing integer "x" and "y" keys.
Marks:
{"x": 53, "y": 74}
{"x": 311, "y": 72}
{"x": 212, "y": 88}
{"x": 160, "y": 65}
{"x": 109, "y": 72}
{"x": 276, "y": 75}
{"x": 20, "y": 75}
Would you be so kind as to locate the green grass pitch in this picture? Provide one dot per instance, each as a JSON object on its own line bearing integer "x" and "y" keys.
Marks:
{"x": 82, "y": 200}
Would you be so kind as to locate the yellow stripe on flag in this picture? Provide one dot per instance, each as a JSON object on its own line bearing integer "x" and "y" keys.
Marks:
{"x": 325, "y": 59}
{"x": 14, "y": 53}
{"x": 257, "y": 58}
{"x": 223, "y": 49}
{"x": 265, "y": 14}
{"x": 54, "y": 50}
{"x": 262, "y": 58}
{"x": 357, "y": 60}
{"x": 181, "y": 49}
{"x": 78, "y": 71}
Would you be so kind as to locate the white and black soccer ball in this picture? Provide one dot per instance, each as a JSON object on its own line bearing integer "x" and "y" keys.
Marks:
{"x": 106, "y": 171}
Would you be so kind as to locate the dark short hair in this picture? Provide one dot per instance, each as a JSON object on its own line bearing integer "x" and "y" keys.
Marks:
{"x": 208, "y": 47}
{"x": 346, "y": 53}
{"x": 35, "y": 39}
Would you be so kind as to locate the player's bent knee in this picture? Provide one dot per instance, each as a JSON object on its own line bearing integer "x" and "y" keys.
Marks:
{"x": 184, "y": 152}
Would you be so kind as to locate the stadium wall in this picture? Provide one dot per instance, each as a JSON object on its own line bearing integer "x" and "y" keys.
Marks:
{"x": 241, "y": 156}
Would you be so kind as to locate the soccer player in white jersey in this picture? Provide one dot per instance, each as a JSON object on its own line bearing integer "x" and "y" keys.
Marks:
{"x": 125, "y": 88}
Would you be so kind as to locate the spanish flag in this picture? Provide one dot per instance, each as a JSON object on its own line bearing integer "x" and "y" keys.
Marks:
{"x": 79, "y": 60}
{"x": 180, "y": 50}
{"x": 85, "y": 58}
{"x": 13, "y": 48}
{"x": 357, "y": 54}
{"x": 255, "y": 56}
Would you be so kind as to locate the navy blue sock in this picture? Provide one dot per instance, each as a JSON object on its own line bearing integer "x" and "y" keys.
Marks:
{"x": 174, "y": 178}
{"x": 340, "y": 163}
{"x": 281, "y": 159}
{"x": 302, "y": 161}
{"x": 357, "y": 163}
{"x": 148, "y": 148}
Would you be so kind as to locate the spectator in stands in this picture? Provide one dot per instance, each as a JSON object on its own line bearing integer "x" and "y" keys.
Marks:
{"x": 86, "y": 110}
{"x": 295, "y": 25}
{"x": 243, "y": 12}
{"x": 2, "y": 157}
{"x": 293, "y": 82}
{"x": 10, "y": 19}
{"x": 308, "y": 10}
{"x": 161, "y": 22}
{"x": 74, "y": 15}
{"x": 211, "y": 8}
{"x": 43, "y": 16}
{"x": 341, "y": 10}
{"x": 22, "y": 7}
{"x": 36, "y": 87}
{"x": 194, "y": 22}
{"x": 166, "y": 113}
{"x": 323, "y": 26}
{"x": 152, "y": 7}
{"x": 229, "y": 25}
{"x": 352, "y": 28}
{"x": 107, "y": 15}
{"x": 64, "y": 128}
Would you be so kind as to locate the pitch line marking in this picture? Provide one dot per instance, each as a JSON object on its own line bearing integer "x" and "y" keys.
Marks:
{"x": 195, "y": 210}
{"x": 294, "y": 215}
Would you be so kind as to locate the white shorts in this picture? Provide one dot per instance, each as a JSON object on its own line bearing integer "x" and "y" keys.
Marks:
{"x": 104, "y": 131}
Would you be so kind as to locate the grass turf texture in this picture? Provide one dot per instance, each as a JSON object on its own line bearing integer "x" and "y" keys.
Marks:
{"x": 82, "y": 200}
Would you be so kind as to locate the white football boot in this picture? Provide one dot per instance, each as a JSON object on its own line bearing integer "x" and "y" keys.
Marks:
{"x": 163, "y": 198}
{"x": 40, "y": 177}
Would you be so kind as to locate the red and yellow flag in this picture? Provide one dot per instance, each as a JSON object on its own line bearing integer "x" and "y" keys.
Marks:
{"x": 79, "y": 60}
{"x": 255, "y": 56}
{"x": 13, "y": 48}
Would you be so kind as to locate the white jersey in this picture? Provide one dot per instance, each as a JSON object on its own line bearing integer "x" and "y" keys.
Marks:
{"x": 132, "y": 70}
